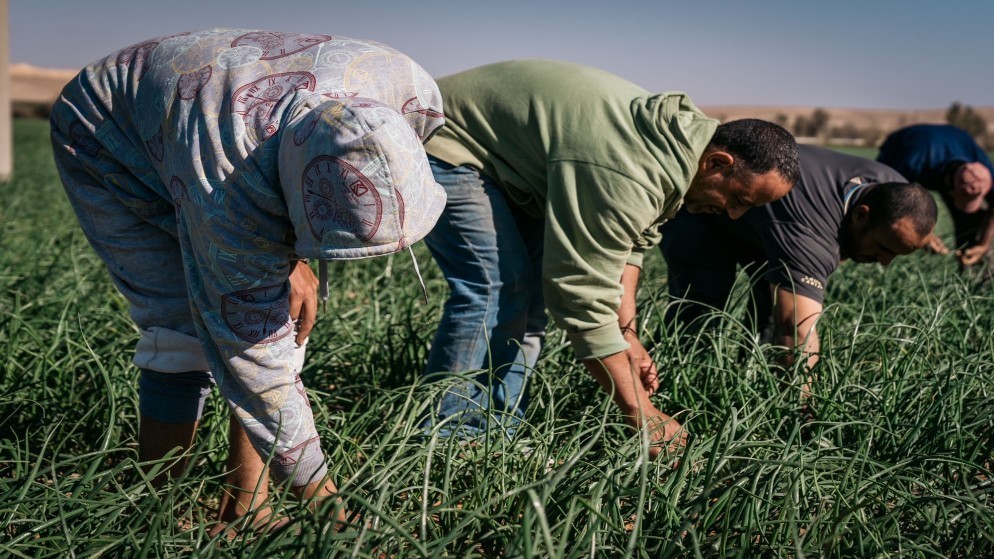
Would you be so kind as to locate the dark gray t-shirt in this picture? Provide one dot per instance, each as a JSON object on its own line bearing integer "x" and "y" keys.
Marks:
{"x": 800, "y": 232}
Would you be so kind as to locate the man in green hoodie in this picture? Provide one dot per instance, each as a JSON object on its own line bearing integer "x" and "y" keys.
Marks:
{"x": 557, "y": 178}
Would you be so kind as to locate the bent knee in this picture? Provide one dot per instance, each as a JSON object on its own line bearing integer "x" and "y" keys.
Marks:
{"x": 173, "y": 397}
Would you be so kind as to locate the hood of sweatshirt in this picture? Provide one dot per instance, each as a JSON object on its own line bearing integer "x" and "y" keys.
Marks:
{"x": 356, "y": 181}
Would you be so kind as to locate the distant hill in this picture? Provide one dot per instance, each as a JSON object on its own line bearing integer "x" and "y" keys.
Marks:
{"x": 884, "y": 120}
{"x": 34, "y": 89}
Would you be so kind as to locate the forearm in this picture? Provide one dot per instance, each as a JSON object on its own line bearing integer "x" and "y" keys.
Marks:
{"x": 616, "y": 377}
{"x": 795, "y": 319}
{"x": 269, "y": 399}
{"x": 627, "y": 311}
{"x": 804, "y": 344}
{"x": 251, "y": 350}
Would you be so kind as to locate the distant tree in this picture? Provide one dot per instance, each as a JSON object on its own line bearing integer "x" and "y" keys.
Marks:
{"x": 811, "y": 126}
{"x": 963, "y": 116}
{"x": 801, "y": 125}
{"x": 847, "y": 130}
{"x": 819, "y": 122}
{"x": 782, "y": 120}
{"x": 872, "y": 135}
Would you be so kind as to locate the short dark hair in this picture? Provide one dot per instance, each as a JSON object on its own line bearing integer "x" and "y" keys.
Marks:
{"x": 889, "y": 202}
{"x": 760, "y": 146}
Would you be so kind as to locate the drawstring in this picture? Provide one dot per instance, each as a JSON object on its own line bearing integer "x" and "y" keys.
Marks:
{"x": 417, "y": 270}
{"x": 323, "y": 277}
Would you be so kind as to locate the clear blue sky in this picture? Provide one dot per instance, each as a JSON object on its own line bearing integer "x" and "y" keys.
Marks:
{"x": 831, "y": 53}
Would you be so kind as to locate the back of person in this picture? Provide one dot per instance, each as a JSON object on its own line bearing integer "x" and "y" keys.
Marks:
{"x": 947, "y": 160}
{"x": 203, "y": 104}
{"x": 924, "y": 153}
{"x": 520, "y": 122}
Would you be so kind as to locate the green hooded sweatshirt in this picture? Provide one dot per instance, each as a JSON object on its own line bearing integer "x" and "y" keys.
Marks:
{"x": 603, "y": 160}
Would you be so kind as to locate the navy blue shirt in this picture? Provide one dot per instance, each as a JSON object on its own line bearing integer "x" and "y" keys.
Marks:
{"x": 929, "y": 153}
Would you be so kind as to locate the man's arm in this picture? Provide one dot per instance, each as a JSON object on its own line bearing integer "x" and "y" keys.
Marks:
{"x": 617, "y": 377}
{"x": 588, "y": 265}
{"x": 631, "y": 375}
{"x": 638, "y": 357}
{"x": 794, "y": 319}
{"x": 936, "y": 246}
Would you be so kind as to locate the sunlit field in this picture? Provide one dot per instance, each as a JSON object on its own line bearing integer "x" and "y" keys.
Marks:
{"x": 893, "y": 458}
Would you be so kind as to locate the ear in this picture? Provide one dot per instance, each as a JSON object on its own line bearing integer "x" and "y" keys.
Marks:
{"x": 717, "y": 161}
{"x": 861, "y": 214}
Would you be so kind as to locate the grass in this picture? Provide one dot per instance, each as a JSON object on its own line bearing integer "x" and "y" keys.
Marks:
{"x": 896, "y": 461}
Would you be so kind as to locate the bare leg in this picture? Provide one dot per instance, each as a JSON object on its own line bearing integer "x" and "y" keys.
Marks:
{"x": 247, "y": 487}
{"x": 320, "y": 491}
{"x": 247, "y": 483}
{"x": 156, "y": 439}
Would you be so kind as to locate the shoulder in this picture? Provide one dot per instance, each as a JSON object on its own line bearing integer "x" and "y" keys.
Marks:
{"x": 538, "y": 74}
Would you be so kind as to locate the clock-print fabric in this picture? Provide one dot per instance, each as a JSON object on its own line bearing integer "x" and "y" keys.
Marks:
{"x": 200, "y": 164}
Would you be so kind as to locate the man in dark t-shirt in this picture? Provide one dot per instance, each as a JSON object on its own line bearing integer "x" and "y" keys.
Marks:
{"x": 842, "y": 207}
{"x": 946, "y": 159}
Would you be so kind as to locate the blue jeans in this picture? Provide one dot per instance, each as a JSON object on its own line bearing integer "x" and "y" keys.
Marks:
{"x": 494, "y": 321}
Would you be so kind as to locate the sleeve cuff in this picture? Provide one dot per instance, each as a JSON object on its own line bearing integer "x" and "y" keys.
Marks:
{"x": 635, "y": 258}
{"x": 598, "y": 342}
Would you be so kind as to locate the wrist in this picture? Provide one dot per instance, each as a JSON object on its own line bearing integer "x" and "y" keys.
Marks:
{"x": 628, "y": 328}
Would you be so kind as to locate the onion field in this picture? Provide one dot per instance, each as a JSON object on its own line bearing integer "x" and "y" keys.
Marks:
{"x": 890, "y": 458}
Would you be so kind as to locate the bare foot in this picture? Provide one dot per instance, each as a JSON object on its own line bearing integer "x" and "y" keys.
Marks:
{"x": 271, "y": 524}
{"x": 239, "y": 510}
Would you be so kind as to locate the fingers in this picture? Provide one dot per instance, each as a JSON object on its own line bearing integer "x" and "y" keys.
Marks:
{"x": 936, "y": 245}
{"x": 969, "y": 257}
{"x": 306, "y": 317}
{"x": 296, "y": 303}
{"x": 666, "y": 433}
{"x": 641, "y": 361}
{"x": 303, "y": 300}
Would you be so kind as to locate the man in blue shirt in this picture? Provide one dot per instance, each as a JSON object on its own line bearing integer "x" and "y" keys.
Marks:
{"x": 948, "y": 160}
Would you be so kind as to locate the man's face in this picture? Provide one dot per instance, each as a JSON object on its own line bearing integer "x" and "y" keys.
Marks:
{"x": 867, "y": 244}
{"x": 733, "y": 192}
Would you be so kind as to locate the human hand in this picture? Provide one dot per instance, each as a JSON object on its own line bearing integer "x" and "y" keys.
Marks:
{"x": 303, "y": 299}
{"x": 642, "y": 362}
{"x": 615, "y": 375}
{"x": 936, "y": 246}
{"x": 971, "y": 255}
{"x": 665, "y": 433}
